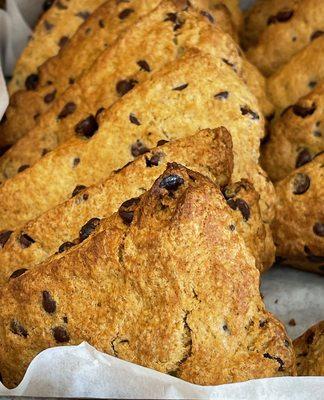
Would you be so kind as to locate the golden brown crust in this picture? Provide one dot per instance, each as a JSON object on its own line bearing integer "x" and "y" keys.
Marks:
{"x": 296, "y": 137}
{"x": 116, "y": 71}
{"x": 281, "y": 40}
{"x": 152, "y": 111}
{"x": 298, "y": 228}
{"x": 309, "y": 348}
{"x": 190, "y": 300}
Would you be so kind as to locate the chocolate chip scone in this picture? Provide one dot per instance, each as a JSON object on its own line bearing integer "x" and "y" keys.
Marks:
{"x": 296, "y": 137}
{"x": 282, "y": 39}
{"x": 117, "y": 71}
{"x": 101, "y": 29}
{"x": 53, "y": 30}
{"x": 303, "y": 73}
{"x": 309, "y": 349}
{"x": 298, "y": 228}
{"x": 160, "y": 108}
{"x": 191, "y": 300}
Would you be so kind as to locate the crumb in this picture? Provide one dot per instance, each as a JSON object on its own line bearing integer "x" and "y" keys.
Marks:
{"x": 276, "y": 301}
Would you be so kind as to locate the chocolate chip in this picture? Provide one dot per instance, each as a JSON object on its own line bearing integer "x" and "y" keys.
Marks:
{"x": 87, "y": 127}
{"x": 18, "y": 273}
{"x": 125, "y": 13}
{"x": 207, "y": 15}
{"x": 60, "y": 6}
{"x": 63, "y": 40}
{"x": 47, "y": 4}
{"x": 22, "y": 168}
{"x": 153, "y": 161}
{"x": 303, "y": 112}
{"x": 174, "y": 18}
{"x": 65, "y": 319}
{"x": 126, "y": 210}
{"x": 49, "y": 304}
{"x": 71, "y": 81}
{"x": 134, "y": 120}
{"x": 232, "y": 227}
{"x": 65, "y": 246}
{"x": 318, "y": 229}
{"x": 263, "y": 323}
{"x": 312, "y": 84}
{"x": 83, "y": 14}
{"x": 49, "y": 97}
{"x": 303, "y": 157}
{"x": 76, "y": 162}
{"x": 68, "y": 109}
{"x": 316, "y": 35}
{"x": 78, "y": 189}
{"x": 18, "y": 329}
{"x": 48, "y": 26}
{"x": 101, "y": 23}
{"x": 242, "y": 206}
{"x": 144, "y": 65}
{"x": 310, "y": 338}
{"x": 181, "y": 87}
{"x": 25, "y": 240}
{"x": 281, "y": 16}
{"x": 31, "y": 82}
{"x": 301, "y": 183}
{"x": 138, "y": 148}
{"x": 278, "y": 359}
{"x": 88, "y": 228}
{"x": 4, "y": 237}
{"x": 161, "y": 142}
{"x": 245, "y": 110}
{"x": 221, "y": 95}
{"x": 125, "y": 86}
{"x": 171, "y": 182}
{"x": 312, "y": 257}
{"x": 60, "y": 334}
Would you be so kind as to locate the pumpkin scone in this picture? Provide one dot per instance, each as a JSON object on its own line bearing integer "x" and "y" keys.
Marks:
{"x": 303, "y": 73}
{"x": 296, "y": 137}
{"x": 101, "y": 29}
{"x": 298, "y": 228}
{"x": 281, "y": 40}
{"x": 116, "y": 72}
{"x": 309, "y": 348}
{"x": 54, "y": 28}
{"x": 162, "y": 107}
{"x": 191, "y": 300}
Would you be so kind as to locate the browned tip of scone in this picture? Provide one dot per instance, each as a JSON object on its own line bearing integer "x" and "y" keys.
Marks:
{"x": 309, "y": 348}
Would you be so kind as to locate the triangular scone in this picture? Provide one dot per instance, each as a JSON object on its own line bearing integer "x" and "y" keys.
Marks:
{"x": 54, "y": 28}
{"x": 195, "y": 92}
{"x": 94, "y": 36}
{"x": 155, "y": 42}
{"x": 165, "y": 283}
{"x": 309, "y": 348}
{"x": 298, "y": 227}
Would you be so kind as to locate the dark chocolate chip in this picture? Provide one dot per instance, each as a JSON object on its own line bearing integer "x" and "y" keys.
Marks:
{"x": 88, "y": 228}
{"x": 25, "y": 240}
{"x": 242, "y": 206}
{"x": 303, "y": 112}
{"x": 101, "y": 23}
{"x": 134, "y": 120}
{"x": 60, "y": 334}
{"x": 68, "y": 109}
{"x": 310, "y": 338}
{"x": 32, "y": 81}
{"x": 49, "y": 304}
{"x": 138, "y": 148}
{"x": 245, "y": 110}
{"x": 278, "y": 359}
{"x": 83, "y": 14}
{"x": 71, "y": 81}
{"x": 171, "y": 182}
{"x": 65, "y": 246}
{"x": 126, "y": 210}
{"x": 144, "y": 65}
{"x": 318, "y": 229}
{"x": 153, "y": 161}
{"x": 301, "y": 183}
{"x": 47, "y": 4}
{"x": 174, "y": 18}
{"x": 49, "y": 97}
{"x": 312, "y": 84}
{"x": 76, "y": 162}
{"x": 18, "y": 273}
{"x": 22, "y": 168}
{"x": 221, "y": 95}
{"x": 281, "y": 16}
{"x": 60, "y": 6}
{"x": 232, "y": 227}
{"x": 87, "y": 127}
{"x": 206, "y": 14}
{"x": 4, "y": 237}
{"x": 263, "y": 323}
{"x": 303, "y": 157}
{"x": 181, "y": 87}
{"x": 78, "y": 189}
{"x": 125, "y": 13}
{"x": 125, "y": 85}
{"x": 63, "y": 40}
{"x": 48, "y": 26}
{"x": 161, "y": 142}
{"x": 316, "y": 35}
{"x": 18, "y": 329}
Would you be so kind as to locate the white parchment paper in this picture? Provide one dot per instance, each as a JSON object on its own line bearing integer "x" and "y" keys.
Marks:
{"x": 82, "y": 371}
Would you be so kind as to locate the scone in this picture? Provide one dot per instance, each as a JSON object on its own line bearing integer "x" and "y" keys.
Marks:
{"x": 309, "y": 349}
{"x": 101, "y": 29}
{"x": 298, "y": 228}
{"x": 197, "y": 91}
{"x": 299, "y": 76}
{"x": 283, "y": 38}
{"x": 54, "y": 28}
{"x": 296, "y": 137}
{"x": 116, "y": 72}
{"x": 165, "y": 283}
